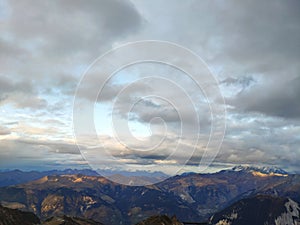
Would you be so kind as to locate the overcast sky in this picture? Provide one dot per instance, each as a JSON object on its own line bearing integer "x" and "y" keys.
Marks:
{"x": 251, "y": 47}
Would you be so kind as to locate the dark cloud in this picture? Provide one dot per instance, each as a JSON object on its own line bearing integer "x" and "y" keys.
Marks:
{"x": 66, "y": 28}
{"x": 243, "y": 81}
{"x": 266, "y": 42}
{"x": 53, "y": 147}
{"x": 35, "y": 155}
{"x": 274, "y": 98}
{"x": 153, "y": 157}
{"x": 8, "y": 85}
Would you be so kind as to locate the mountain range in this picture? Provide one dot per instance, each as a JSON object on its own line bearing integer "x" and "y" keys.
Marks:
{"x": 259, "y": 210}
{"x": 16, "y": 176}
{"x": 191, "y": 197}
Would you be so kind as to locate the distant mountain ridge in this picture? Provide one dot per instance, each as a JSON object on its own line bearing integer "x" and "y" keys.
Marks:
{"x": 14, "y": 177}
{"x": 263, "y": 169}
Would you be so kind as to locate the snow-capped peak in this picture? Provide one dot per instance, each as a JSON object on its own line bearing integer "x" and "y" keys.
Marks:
{"x": 263, "y": 170}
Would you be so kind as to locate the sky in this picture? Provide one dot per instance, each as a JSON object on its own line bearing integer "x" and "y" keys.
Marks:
{"x": 149, "y": 115}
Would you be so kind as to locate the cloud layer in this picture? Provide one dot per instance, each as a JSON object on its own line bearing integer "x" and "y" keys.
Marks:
{"x": 252, "y": 48}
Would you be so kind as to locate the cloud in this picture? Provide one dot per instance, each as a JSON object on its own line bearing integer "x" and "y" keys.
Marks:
{"x": 20, "y": 93}
{"x": 45, "y": 45}
{"x": 40, "y": 155}
{"x": 241, "y": 82}
{"x": 239, "y": 46}
{"x": 8, "y": 85}
{"x": 251, "y": 46}
{"x": 273, "y": 98}
{"x": 4, "y": 131}
{"x": 52, "y": 146}
{"x": 59, "y": 29}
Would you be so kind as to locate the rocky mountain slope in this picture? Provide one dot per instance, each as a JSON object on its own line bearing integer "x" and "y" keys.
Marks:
{"x": 14, "y": 217}
{"x": 66, "y": 220}
{"x": 159, "y": 220}
{"x": 259, "y": 210}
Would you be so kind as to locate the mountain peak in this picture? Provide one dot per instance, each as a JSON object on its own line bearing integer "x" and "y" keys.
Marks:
{"x": 260, "y": 170}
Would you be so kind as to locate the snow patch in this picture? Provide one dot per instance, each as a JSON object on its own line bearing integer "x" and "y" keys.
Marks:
{"x": 185, "y": 196}
{"x": 291, "y": 216}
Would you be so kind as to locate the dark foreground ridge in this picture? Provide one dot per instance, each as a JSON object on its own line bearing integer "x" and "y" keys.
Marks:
{"x": 258, "y": 210}
{"x": 194, "y": 223}
{"x": 15, "y": 217}
{"x": 165, "y": 220}
{"x": 66, "y": 220}
{"x": 159, "y": 220}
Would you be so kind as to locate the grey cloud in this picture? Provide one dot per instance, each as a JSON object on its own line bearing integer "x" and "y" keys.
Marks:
{"x": 64, "y": 28}
{"x": 94, "y": 88}
{"x": 252, "y": 45}
{"x": 261, "y": 142}
{"x": 170, "y": 96}
{"x": 62, "y": 83}
{"x": 145, "y": 111}
{"x": 9, "y": 52}
{"x": 4, "y": 130}
{"x": 11, "y": 123}
{"x": 24, "y": 101}
{"x": 8, "y": 85}
{"x": 21, "y": 93}
{"x": 250, "y": 32}
{"x": 270, "y": 35}
{"x": 45, "y": 44}
{"x": 29, "y": 154}
{"x": 53, "y": 147}
{"x": 278, "y": 98}
{"x": 153, "y": 157}
{"x": 244, "y": 38}
{"x": 27, "y": 101}
{"x": 243, "y": 81}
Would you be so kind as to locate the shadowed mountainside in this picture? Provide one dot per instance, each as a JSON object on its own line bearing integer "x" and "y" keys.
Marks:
{"x": 159, "y": 220}
{"x": 259, "y": 210}
{"x": 14, "y": 217}
{"x": 66, "y": 220}
{"x": 17, "y": 217}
